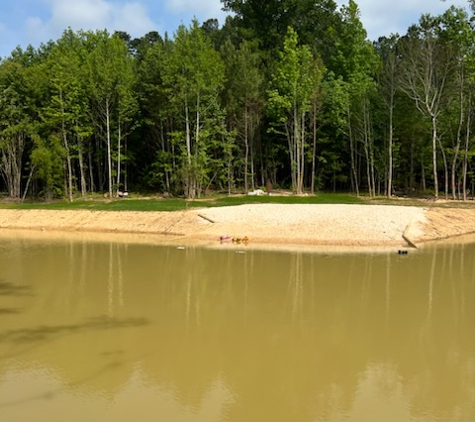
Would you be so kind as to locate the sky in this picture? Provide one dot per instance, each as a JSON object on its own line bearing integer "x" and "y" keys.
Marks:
{"x": 24, "y": 22}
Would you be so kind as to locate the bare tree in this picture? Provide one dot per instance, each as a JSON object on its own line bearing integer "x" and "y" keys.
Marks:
{"x": 426, "y": 67}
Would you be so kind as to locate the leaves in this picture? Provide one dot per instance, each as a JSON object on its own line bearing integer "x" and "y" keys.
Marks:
{"x": 290, "y": 90}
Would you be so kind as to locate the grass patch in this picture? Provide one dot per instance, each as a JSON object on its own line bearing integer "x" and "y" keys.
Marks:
{"x": 324, "y": 198}
{"x": 179, "y": 204}
{"x": 146, "y": 204}
{"x": 101, "y": 205}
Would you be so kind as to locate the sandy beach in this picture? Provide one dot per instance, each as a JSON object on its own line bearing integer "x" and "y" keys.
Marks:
{"x": 261, "y": 224}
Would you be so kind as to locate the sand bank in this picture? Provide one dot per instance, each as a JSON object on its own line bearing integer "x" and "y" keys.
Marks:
{"x": 271, "y": 224}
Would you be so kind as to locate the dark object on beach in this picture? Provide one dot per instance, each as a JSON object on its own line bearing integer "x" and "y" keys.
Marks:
{"x": 268, "y": 187}
{"x": 402, "y": 252}
{"x": 240, "y": 240}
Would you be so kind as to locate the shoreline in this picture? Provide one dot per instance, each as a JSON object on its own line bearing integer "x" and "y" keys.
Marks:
{"x": 267, "y": 226}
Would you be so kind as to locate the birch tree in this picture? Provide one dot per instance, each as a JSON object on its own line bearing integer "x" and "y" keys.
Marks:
{"x": 388, "y": 88}
{"x": 110, "y": 76}
{"x": 16, "y": 122}
{"x": 68, "y": 109}
{"x": 193, "y": 77}
{"x": 427, "y": 66}
{"x": 290, "y": 101}
{"x": 244, "y": 99}
{"x": 457, "y": 33}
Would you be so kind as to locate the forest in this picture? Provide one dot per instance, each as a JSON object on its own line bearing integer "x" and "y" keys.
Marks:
{"x": 288, "y": 93}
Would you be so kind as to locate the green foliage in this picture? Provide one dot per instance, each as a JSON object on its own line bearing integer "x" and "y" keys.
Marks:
{"x": 47, "y": 159}
{"x": 193, "y": 77}
{"x": 286, "y": 90}
{"x": 296, "y": 79}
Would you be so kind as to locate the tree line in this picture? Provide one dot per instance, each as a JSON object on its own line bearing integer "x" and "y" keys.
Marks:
{"x": 286, "y": 91}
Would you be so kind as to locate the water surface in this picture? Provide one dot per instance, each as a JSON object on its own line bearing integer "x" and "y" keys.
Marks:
{"x": 114, "y": 332}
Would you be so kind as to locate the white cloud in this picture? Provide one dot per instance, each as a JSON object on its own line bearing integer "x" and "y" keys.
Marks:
{"x": 133, "y": 18}
{"x": 201, "y": 7}
{"x": 90, "y": 15}
{"x": 386, "y": 17}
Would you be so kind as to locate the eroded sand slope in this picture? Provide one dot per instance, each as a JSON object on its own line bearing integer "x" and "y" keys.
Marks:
{"x": 345, "y": 225}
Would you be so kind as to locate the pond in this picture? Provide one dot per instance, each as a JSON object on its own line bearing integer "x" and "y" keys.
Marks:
{"x": 112, "y": 331}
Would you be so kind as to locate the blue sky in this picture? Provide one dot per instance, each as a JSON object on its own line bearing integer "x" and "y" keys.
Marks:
{"x": 24, "y": 22}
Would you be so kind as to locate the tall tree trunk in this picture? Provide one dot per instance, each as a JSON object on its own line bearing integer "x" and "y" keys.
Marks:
{"x": 434, "y": 156}
{"x": 11, "y": 163}
{"x": 390, "y": 148}
{"x": 92, "y": 186}
{"x": 423, "y": 176}
{"x": 196, "y": 174}
{"x": 296, "y": 151}
{"x": 246, "y": 150}
{"x": 109, "y": 157}
{"x": 68, "y": 153}
{"x": 354, "y": 174}
{"x": 119, "y": 161}
{"x": 188, "y": 179}
{"x": 371, "y": 155}
{"x": 314, "y": 148}
{"x": 467, "y": 144}
{"x": 81, "y": 167}
{"x": 30, "y": 177}
{"x": 291, "y": 141}
{"x": 126, "y": 188}
{"x": 367, "y": 147}
{"x": 302, "y": 153}
{"x": 446, "y": 170}
{"x": 458, "y": 142}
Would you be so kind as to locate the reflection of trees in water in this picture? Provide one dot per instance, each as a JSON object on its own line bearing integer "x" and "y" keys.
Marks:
{"x": 445, "y": 347}
{"x": 26, "y": 339}
{"x": 82, "y": 263}
{"x": 294, "y": 336}
{"x": 390, "y": 302}
{"x": 115, "y": 279}
{"x": 387, "y": 295}
{"x": 46, "y": 333}
{"x": 8, "y": 293}
{"x": 295, "y": 287}
{"x": 359, "y": 320}
{"x": 12, "y": 289}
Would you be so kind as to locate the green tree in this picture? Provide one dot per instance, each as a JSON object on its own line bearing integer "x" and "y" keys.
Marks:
{"x": 458, "y": 35}
{"x": 427, "y": 65}
{"x": 47, "y": 160}
{"x": 290, "y": 101}
{"x": 111, "y": 83}
{"x": 314, "y": 21}
{"x": 193, "y": 77}
{"x": 67, "y": 111}
{"x": 21, "y": 85}
{"x": 156, "y": 149}
{"x": 357, "y": 64}
{"x": 244, "y": 98}
{"x": 388, "y": 88}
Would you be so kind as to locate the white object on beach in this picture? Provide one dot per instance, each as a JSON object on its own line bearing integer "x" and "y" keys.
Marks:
{"x": 256, "y": 192}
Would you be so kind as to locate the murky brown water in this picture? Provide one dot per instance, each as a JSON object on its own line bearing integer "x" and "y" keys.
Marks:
{"x": 113, "y": 332}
